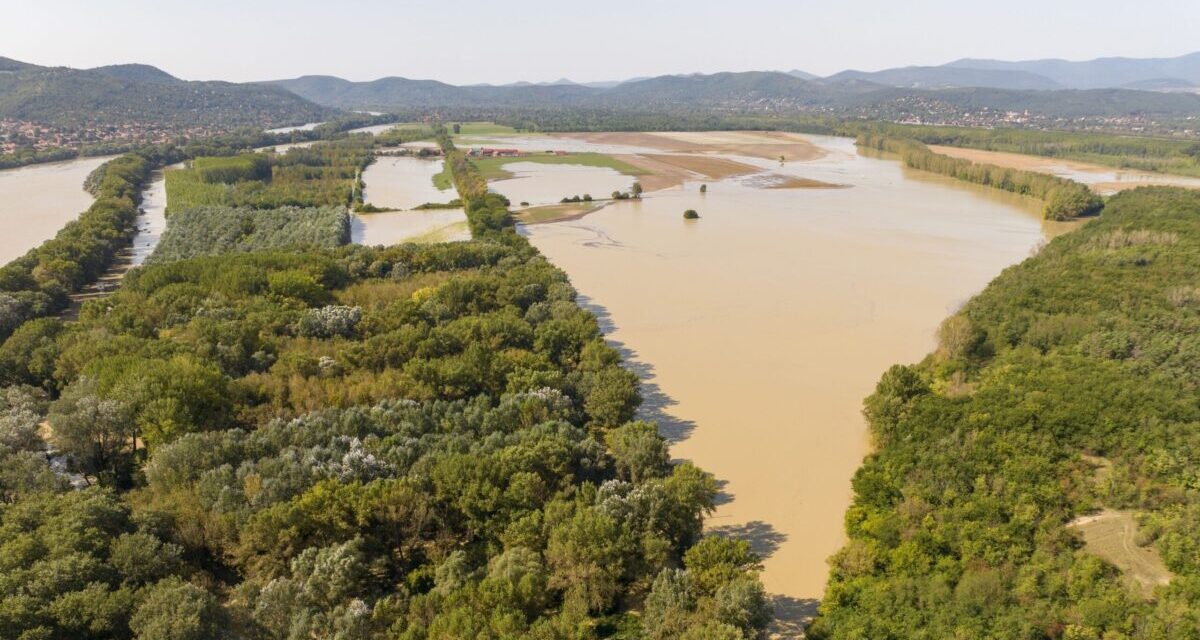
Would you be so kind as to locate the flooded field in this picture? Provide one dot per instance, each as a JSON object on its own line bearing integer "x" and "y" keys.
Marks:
{"x": 37, "y": 201}
{"x": 404, "y": 183}
{"x": 443, "y": 225}
{"x": 759, "y": 328}
{"x": 540, "y": 184}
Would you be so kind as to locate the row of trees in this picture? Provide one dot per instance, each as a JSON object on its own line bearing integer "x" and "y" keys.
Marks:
{"x": 39, "y": 283}
{"x": 1180, "y": 156}
{"x": 324, "y": 174}
{"x": 1086, "y": 354}
{"x": 202, "y": 231}
{"x": 1064, "y": 199}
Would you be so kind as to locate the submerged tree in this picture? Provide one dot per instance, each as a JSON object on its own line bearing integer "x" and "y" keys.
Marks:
{"x": 691, "y": 214}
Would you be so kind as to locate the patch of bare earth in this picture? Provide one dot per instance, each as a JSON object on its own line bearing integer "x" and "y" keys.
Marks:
{"x": 1112, "y": 535}
{"x": 771, "y": 145}
{"x": 668, "y": 170}
{"x": 558, "y": 212}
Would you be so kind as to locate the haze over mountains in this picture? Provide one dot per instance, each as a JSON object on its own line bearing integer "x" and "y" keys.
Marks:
{"x": 1113, "y": 86}
{"x": 1165, "y": 88}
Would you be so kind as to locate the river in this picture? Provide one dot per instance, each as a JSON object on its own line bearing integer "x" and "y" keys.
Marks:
{"x": 759, "y": 328}
{"x": 38, "y": 200}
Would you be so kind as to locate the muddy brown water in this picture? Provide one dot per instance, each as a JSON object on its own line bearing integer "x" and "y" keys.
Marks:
{"x": 38, "y": 200}
{"x": 759, "y": 328}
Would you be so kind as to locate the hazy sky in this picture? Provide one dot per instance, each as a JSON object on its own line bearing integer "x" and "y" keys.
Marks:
{"x": 469, "y": 41}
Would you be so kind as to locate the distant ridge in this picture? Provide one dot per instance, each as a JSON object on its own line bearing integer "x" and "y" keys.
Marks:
{"x": 920, "y": 92}
{"x": 1099, "y": 73}
{"x": 145, "y": 95}
{"x": 137, "y": 73}
{"x": 948, "y": 77}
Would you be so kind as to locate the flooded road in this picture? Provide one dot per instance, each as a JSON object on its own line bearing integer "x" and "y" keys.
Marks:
{"x": 759, "y": 328}
{"x": 38, "y": 200}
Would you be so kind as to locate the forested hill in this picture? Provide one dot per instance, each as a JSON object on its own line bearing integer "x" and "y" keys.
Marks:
{"x": 949, "y": 100}
{"x": 1061, "y": 406}
{"x": 67, "y": 98}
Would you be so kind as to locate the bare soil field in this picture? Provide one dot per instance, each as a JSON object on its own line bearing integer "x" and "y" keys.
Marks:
{"x": 1112, "y": 535}
{"x": 771, "y": 145}
{"x": 671, "y": 170}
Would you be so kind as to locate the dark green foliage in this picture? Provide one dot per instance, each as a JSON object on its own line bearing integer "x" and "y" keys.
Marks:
{"x": 958, "y": 522}
{"x": 38, "y": 283}
{"x": 420, "y": 441}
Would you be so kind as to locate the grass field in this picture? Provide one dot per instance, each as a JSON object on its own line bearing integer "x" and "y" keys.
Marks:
{"x": 557, "y": 212}
{"x": 493, "y": 168}
{"x": 1112, "y": 535}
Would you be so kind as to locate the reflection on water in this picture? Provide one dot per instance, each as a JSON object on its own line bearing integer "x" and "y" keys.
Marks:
{"x": 437, "y": 225}
{"x": 151, "y": 221}
{"x": 38, "y": 200}
{"x": 539, "y": 184}
{"x": 403, "y": 182}
{"x": 768, "y": 321}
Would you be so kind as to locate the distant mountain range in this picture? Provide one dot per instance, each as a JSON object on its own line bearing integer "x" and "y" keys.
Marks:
{"x": 1101, "y": 73}
{"x": 136, "y": 93}
{"x": 1076, "y": 90}
{"x": 1180, "y": 74}
{"x": 973, "y": 92}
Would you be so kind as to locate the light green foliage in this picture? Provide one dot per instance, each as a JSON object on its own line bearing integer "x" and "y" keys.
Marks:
{"x": 958, "y": 523}
{"x": 404, "y": 442}
{"x": 203, "y": 231}
{"x": 324, "y": 174}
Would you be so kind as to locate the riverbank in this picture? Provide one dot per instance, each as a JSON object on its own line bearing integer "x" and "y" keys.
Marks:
{"x": 758, "y": 330}
{"x": 1103, "y": 179}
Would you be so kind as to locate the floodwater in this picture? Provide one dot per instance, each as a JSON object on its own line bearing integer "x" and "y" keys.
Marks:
{"x": 436, "y": 225}
{"x": 152, "y": 220}
{"x": 303, "y": 127}
{"x": 404, "y": 182}
{"x": 759, "y": 328}
{"x": 38, "y": 200}
{"x": 540, "y": 184}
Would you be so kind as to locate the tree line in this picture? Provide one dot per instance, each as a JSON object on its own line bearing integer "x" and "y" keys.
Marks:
{"x": 418, "y": 441}
{"x": 1067, "y": 386}
{"x": 1064, "y": 199}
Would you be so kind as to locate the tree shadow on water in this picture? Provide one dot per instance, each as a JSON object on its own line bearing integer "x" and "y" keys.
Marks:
{"x": 655, "y": 404}
{"x": 764, "y": 539}
{"x": 792, "y": 615}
